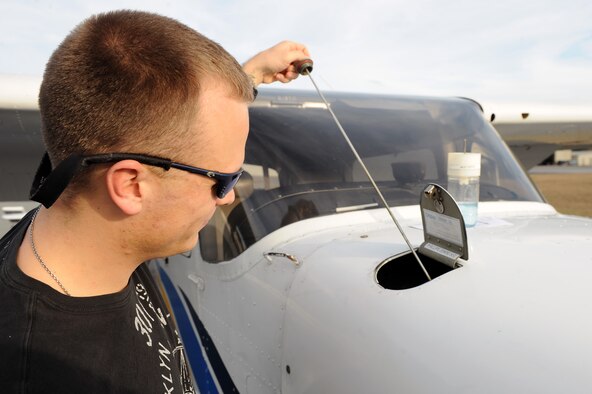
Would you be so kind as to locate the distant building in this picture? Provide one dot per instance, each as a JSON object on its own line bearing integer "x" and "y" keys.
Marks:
{"x": 563, "y": 156}
{"x": 583, "y": 158}
{"x": 580, "y": 158}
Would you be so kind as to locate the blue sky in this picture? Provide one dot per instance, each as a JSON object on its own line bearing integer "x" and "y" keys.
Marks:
{"x": 492, "y": 51}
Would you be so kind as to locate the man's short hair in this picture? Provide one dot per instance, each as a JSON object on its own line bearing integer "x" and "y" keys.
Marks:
{"x": 130, "y": 81}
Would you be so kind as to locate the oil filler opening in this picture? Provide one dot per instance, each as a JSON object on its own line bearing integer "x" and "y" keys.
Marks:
{"x": 403, "y": 272}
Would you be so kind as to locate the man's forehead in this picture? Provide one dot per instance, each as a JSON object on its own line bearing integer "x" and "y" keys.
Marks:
{"x": 219, "y": 131}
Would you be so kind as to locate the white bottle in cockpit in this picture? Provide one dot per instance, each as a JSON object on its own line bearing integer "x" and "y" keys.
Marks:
{"x": 464, "y": 170}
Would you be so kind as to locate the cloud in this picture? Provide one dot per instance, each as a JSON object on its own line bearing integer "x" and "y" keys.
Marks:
{"x": 503, "y": 50}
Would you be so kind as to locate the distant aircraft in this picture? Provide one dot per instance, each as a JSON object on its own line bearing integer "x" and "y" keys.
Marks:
{"x": 304, "y": 285}
{"x": 20, "y": 146}
{"x": 534, "y": 132}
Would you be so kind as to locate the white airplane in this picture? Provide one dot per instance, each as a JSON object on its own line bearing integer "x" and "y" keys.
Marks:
{"x": 304, "y": 284}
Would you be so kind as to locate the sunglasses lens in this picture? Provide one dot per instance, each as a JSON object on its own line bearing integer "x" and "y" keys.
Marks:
{"x": 226, "y": 185}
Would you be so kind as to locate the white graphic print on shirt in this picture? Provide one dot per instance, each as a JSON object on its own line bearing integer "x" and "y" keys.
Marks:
{"x": 147, "y": 316}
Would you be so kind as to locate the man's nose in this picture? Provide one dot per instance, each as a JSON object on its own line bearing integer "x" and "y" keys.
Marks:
{"x": 227, "y": 199}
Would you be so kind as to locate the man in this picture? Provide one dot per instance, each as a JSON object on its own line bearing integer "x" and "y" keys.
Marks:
{"x": 145, "y": 123}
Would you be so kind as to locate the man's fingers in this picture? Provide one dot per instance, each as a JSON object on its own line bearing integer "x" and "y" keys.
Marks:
{"x": 282, "y": 78}
{"x": 276, "y": 63}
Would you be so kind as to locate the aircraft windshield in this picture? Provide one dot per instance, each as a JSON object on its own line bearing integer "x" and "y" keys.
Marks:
{"x": 298, "y": 166}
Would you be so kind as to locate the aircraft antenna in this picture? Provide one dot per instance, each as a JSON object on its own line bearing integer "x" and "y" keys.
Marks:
{"x": 304, "y": 67}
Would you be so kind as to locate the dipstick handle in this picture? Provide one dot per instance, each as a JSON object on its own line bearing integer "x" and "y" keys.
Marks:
{"x": 303, "y": 66}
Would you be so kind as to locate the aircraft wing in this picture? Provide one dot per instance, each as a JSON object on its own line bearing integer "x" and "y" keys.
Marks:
{"x": 535, "y": 135}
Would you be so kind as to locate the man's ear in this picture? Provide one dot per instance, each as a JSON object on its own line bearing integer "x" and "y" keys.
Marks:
{"x": 127, "y": 185}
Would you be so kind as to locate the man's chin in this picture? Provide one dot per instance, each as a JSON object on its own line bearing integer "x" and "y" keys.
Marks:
{"x": 184, "y": 247}
{"x": 191, "y": 243}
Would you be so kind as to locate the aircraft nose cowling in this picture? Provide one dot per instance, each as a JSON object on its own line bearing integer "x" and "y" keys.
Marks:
{"x": 515, "y": 318}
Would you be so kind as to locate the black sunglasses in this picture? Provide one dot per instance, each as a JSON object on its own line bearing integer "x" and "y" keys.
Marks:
{"x": 49, "y": 184}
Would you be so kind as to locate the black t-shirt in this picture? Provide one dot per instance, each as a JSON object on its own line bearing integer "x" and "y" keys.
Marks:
{"x": 117, "y": 343}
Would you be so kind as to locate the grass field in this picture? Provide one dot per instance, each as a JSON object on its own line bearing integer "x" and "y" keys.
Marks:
{"x": 568, "y": 193}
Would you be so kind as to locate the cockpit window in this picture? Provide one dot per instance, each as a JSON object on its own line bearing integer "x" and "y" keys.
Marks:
{"x": 298, "y": 165}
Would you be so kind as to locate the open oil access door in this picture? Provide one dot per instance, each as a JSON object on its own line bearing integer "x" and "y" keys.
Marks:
{"x": 444, "y": 231}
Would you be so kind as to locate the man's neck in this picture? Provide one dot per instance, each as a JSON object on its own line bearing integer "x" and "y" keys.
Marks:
{"x": 85, "y": 250}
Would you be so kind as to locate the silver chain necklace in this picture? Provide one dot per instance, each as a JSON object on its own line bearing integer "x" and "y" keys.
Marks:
{"x": 39, "y": 257}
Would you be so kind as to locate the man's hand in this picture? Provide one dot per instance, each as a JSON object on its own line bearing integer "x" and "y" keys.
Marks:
{"x": 275, "y": 63}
